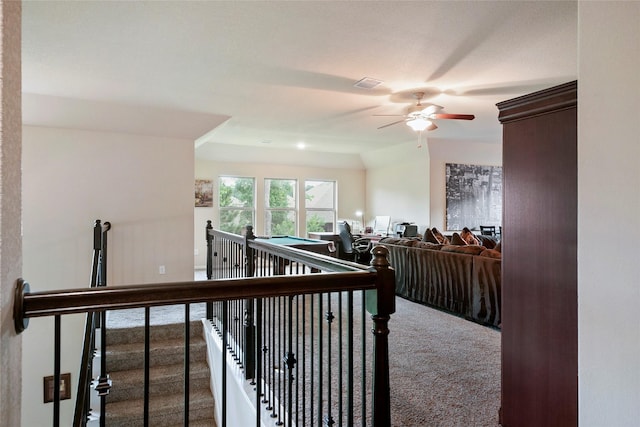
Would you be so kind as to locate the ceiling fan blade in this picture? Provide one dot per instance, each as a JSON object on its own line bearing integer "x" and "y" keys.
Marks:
{"x": 432, "y": 126}
{"x": 452, "y": 116}
{"x": 431, "y": 109}
{"x": 390, "y": 124}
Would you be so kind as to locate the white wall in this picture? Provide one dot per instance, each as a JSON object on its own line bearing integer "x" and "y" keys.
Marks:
{"x": 398, "y": 184}
{"x": 443, "y": 151}
{"x": 142, "y": 185}
{"x": 608, "y": 212}
{"x": 351, "y": 192}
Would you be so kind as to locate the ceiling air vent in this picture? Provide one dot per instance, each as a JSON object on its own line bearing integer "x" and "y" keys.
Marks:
{"x": 367, "y": 83}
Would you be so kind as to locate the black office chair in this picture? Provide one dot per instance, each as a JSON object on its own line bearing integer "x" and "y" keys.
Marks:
{"x": 352, "y": 249}
{"x": 488, "y": 230}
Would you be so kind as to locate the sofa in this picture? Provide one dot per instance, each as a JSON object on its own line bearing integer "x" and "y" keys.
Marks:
{"x": 460, "y": 279}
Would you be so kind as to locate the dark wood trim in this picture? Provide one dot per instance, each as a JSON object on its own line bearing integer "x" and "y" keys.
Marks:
{"x": 557, "y": 98}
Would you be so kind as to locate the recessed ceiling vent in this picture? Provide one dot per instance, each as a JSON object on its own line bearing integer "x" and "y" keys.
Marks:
{"x": 368, "y": 83}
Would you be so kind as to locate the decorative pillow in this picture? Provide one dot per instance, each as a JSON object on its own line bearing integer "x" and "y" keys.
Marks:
{"x": 469, "y": 237}
{"x": 488, "y": 242}
{"x": 491, "y": 253}
{"x": 430, "y": 237}
{"x": 390, "y": 240}
{"x": 498, "y": 246}
{"x": 457, "y": 240}
{"x": 441, "y": 239}
{"x": 428, "y": 245}
{"x": 407, "y": 242}
{"x": 467, "y": 249}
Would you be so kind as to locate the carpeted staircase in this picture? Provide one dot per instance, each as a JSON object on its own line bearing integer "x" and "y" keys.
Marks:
{"x": 125, "y": 362}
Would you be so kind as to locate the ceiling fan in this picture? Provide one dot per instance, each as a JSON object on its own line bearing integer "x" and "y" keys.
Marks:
{"x": 420, "y": 117}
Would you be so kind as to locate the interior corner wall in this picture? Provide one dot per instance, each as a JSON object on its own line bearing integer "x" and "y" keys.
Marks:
{"x": 10, "y": 210}
{"x": 443, "y": 151}
{"x": 142, "y": 185}
{"x": 398, "y": 184}
{"x": 351, "y": 192}
{"x": 608, "y": 205}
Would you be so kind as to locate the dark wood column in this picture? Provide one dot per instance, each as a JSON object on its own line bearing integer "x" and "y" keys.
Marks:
{"x": 539, "y": 261}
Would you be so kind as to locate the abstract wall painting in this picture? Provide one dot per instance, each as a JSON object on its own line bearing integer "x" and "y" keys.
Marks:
{"x": 474, "y": 196}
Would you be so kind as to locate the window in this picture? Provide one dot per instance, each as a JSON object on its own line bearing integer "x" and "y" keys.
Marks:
{"x": 320, "y": 204}
{"x": 280, "y": 207}
{"x": 236, "y": 198}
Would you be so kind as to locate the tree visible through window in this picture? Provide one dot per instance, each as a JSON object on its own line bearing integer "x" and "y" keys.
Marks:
{"x": 237, "y": 203}
{"x": 320, "y": 204}
{"x": 280, "y": 207}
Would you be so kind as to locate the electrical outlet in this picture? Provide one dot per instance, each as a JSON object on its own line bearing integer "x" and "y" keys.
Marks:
{"x": 161, "y": 269}
{"x": 65, "y": 387}
{"x": 196, "y": 251}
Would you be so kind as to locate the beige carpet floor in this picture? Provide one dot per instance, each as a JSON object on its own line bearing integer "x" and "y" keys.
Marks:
{"x": 444, "y": 370}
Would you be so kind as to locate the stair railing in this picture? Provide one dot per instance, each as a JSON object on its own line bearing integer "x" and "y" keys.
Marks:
{"x": 337, "y": 277}
{"x": 298, "y": 351}
{"x": 82, "y": 412}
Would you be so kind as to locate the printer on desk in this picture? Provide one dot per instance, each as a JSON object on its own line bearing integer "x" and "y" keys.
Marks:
{"x": 406, "y": 230}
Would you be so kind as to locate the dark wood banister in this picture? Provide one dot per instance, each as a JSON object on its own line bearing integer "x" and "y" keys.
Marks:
{"x": 69, "y": 301}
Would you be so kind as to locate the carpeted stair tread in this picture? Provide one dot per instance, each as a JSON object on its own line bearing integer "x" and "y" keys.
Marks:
{"x": 125, "y": 364}
{"x": 164, "y": 410}
{"x": 156, "y": 332}
{"x": 129, "y": 384}
{"x": 210, "y": 422}
{"x": 169, "y": 352}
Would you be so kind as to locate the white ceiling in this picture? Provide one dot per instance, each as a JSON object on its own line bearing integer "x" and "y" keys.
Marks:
{"x": 242, "y": 73}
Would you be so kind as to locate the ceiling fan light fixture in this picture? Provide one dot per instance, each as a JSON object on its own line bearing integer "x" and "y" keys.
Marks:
{"x": 418, "y": 124}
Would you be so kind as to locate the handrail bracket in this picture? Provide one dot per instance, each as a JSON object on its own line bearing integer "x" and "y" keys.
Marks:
{"x": 20, "y": 322}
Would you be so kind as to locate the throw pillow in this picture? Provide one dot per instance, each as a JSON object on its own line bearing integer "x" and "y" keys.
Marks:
{"x": 488, "y": 242}
{"x": 430, "y": 237}
{"x": 428, "y": 245}
{"x": 441, "y": 238}
{"x": 469, "y": 237}
{"x": 457, "y": 240}
{"x": 407, "y": 242}
{"x": 390, "y": 240}
{"x": 491, "y": 253}
{"x": 498, "y": 246}
{"x": 466, "y": 249}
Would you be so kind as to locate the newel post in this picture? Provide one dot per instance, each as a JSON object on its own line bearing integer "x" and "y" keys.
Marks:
{"x": 249, "y": 320}
{"x": 250, "y": 261}
{"x": 209, "y": 238}
{"x": 381, "y": 303}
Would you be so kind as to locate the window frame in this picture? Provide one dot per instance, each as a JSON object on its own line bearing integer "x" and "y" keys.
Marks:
{"x": 251, "y": 209}
{"x": 334, "y": 200}
{"x": 269, "y": 210}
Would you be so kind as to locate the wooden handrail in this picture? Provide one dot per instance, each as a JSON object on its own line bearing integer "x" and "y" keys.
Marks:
{"x": 68, "y": 301}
